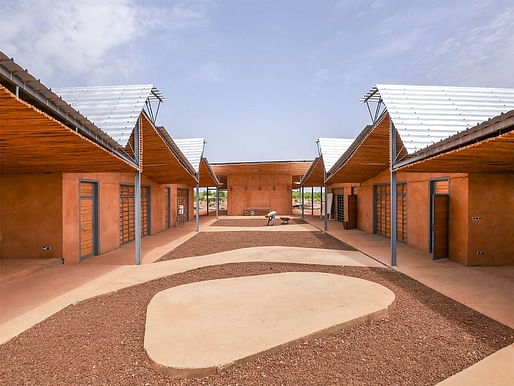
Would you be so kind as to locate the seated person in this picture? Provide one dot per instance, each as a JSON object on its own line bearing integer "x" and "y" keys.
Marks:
{"x": 271, "y": 217}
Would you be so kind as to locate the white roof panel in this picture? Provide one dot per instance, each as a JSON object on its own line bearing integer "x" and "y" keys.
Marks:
{"x": 114, "y": 109}
{"x": 192, "y": 148}
{"x": 332, "y": 149}
{"x": 424, "y": 115}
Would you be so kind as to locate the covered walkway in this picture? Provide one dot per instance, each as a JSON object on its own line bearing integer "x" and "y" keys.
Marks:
{"x": 485, "y": 289}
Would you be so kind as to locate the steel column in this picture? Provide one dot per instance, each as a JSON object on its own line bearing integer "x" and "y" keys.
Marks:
{"x": 217, "y": 202}
{"x": 320, "y": 201}
{"x": 312, "y": 200}
{"x": 326, "y": 202}
{"x": 303, "y": 203}
{"x": 198, "y": 207}
{"x": 207, "y": 201}
{"x": 393, "y": 195}
{"x": 137, "y": 195}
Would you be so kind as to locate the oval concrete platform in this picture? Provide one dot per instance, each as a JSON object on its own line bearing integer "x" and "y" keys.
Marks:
{"x": 196, "y": 329}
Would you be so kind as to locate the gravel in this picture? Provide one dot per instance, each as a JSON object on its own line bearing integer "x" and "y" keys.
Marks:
{"x": 205, "y": 243}
{"x": 425, "y": 339}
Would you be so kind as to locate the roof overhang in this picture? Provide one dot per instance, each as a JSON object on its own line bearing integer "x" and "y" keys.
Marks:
{"x": 33, "y": 141}
{"x": 366, "y": 157}
{"x": 315, "y": 175}
{"x": 25, "y": 86}
{"x": 208, "y": 177}
{"x": 292, "y": 168}
{"x": 487, "y": 147}
{"x": 162, "y": 161}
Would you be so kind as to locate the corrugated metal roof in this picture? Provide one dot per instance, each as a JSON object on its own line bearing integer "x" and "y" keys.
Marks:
{"x": 114, "y": 109}
{"x": 424, "y": 115}
{"x": 192, "y": 148}
{"x": 332, "y": 149}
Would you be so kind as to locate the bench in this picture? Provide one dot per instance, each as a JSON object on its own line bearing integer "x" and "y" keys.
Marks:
{"x": 257, "y": 211}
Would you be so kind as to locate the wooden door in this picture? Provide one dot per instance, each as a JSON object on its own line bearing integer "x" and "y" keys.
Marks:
{"x": 352, "y": 211}
{"x": 88, "y": 232}
{"x": 440, "y": 217}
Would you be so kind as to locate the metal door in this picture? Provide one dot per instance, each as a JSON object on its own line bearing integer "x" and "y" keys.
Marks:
{"x": 340, "y": 207}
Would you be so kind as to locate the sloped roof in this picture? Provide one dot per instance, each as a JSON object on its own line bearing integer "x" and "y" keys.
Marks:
{"x": 48, "y": 101}
{"x": 332, "y": 149}
{"x": 424, "y": 115}
{"x": 192, "y": 148}
{"x": 114, "y": 109}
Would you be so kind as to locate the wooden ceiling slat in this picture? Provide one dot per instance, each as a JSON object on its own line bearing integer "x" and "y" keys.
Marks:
{"x": 206, "y": 179}
{"x": 488, "y": 156}
{"x": 370, "y": 158}
{"x": 159, "y": 162}
{"x": 317, "y": 175}
{"x": 288, "y": 168}
{"x": 31, "y": 141}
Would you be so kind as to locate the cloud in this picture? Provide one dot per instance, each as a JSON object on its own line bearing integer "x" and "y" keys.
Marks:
{"x": 55, "y": 37}
{"x": 482, "y": 56}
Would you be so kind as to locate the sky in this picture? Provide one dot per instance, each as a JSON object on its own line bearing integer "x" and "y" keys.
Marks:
{"x": 262, "y": 79}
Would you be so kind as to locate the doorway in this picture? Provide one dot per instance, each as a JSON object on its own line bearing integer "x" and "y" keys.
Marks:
{"x": 439, "y": 218}
{"x": 88, "y": 219}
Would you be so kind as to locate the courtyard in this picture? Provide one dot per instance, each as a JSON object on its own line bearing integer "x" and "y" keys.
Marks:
{"x": 95, "y": 332}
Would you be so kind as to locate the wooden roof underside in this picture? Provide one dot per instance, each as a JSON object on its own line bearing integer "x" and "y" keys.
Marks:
{"x": 289, "y": 168}
{"x": 494, "y": 154}
{"x": 369, "y": 159}
{"x": 33, "y": 142}
{"x": 159, "y": 162}
{"x": 207, "y": 176}
{"x": 315, "y": 176}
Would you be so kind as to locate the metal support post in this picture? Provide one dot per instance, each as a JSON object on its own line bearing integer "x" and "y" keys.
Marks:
{"x": 17, "y": 91}
{"x": 312, "y": 201}
{"x": 137, "y": 197}
{"x": 198, "y": 207}
{"x": 303, "y": 203}
{"x": 207, "y": 201}
{"x": 320, "y": 202}
{"x": 326, "y": 202}
{"x": 393, "y": 196}
{"x": 137, "y": 212}
{"x": 217, "y": 202}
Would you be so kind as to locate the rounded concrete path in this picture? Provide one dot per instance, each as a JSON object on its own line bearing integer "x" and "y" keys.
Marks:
{"x": 195, "y": 329}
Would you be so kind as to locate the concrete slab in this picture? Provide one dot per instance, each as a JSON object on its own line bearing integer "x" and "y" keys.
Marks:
{"x": 30, "y": 300}
{"x": 17, "y": 268}
{"x": 488, "y": 290}
{"x": 195, "y": 329}
{"x": 494, "y": 370}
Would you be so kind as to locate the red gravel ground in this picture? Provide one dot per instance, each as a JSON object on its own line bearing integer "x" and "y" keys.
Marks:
{"x": 253, "y": 222}
{"x": 427, "y": 338}
{"x": 205, "y": 243}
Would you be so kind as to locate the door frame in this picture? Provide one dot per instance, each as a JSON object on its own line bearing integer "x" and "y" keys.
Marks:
{"x": 431, "y": 193}
{"x": 96, "y": 219}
